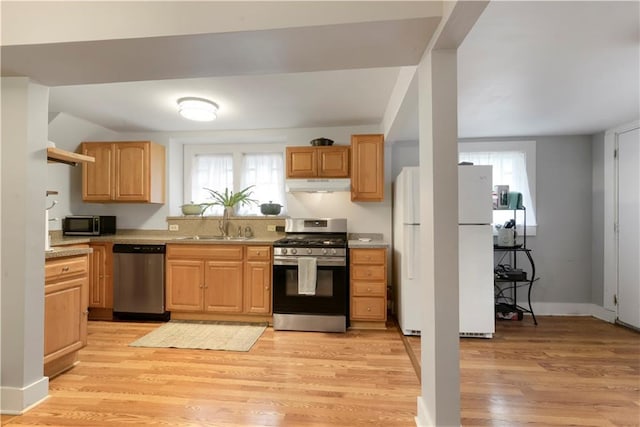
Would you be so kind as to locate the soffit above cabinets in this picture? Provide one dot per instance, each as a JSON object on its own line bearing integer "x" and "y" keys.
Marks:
{"x": 56, "y": 155}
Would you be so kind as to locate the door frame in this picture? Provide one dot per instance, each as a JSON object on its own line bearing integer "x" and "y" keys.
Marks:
{"x": 611, "y": 214}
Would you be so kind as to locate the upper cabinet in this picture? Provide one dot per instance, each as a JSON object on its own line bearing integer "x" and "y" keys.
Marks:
{"x": 318, "y": 162}
{"x": 126, "y": 171}
{"x": 367, "y": 168}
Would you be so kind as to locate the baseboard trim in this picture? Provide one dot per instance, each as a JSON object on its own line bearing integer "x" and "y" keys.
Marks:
{"x": 572, "y": 309}
{"x": 423, "y": 419}
{"x": 603, "y": 314}
{"x": 17, "y": 401}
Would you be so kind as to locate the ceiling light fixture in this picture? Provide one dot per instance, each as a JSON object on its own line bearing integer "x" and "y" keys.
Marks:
{"x": 198, "y": 109}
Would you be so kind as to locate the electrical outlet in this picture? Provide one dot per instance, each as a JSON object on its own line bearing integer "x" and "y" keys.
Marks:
{"x": 174, "y": 227}
{"x": 271, "y": 227}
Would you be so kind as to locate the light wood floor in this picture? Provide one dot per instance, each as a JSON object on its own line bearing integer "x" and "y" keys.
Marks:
{"x": 576, "y": 371}
{"x": 567, "y": 371}
{"x": 287, "y": 379}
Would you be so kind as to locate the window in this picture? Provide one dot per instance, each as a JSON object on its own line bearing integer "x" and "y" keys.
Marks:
{"x": 266, "y": 172}
{"x": 213, "y": 171}
{"x": 213, "y": 166}
{"x": 513, "y": 165}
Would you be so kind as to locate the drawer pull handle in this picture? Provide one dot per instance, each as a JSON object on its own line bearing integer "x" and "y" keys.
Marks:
{"x": 368, "y": 289}
{"x": 368, "y": 308}
{"x": 65, "y": 268}
{"x": 266, "y": 288}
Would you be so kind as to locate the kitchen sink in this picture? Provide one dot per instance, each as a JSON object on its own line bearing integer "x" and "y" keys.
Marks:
{"x": 221, "y": 238}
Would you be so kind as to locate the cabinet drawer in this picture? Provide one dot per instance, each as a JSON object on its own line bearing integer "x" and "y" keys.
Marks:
{"x": 368, "y": 289}
{"x": 258, "y": 253}
{"x": 368, "y": 308}
{"x": 368, "y": 256}
{"x": 55, "y": 269}
{"x": 221, "y": 251}
{"x": 368, "y": 272}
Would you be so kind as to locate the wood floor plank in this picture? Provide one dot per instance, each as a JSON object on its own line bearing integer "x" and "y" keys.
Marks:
{"x": 575, "y": 371}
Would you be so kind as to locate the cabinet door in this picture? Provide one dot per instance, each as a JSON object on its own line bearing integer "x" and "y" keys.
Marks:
{"x": 302, "y": 162}
{"x": 333, "y": 162}
{"x": 367, "y": 168}
{"x": 100, "y": 275}
{"x": 185, "y": 285}
{"x": 257, "y": 290}
{"x": 132, "y": 172}
{"x": 98, "y": 178}
{"x": 223, "y": 286}
{"x": 65, "y": 322}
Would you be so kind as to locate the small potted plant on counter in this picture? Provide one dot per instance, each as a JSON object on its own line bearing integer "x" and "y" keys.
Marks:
{"x": 228, "y": 200}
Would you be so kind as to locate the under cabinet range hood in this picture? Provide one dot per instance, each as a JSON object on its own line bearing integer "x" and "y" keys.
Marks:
{"x": 318, "y": 185}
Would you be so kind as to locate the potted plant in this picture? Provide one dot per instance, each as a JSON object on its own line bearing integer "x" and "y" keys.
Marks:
{"x": 228, "y": 200}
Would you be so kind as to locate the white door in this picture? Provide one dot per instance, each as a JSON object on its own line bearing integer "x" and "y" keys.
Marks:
{"x": 629, "y": 228}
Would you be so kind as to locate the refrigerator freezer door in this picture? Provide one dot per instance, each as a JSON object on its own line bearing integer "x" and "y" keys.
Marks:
{"x": 474, "y": 195}
{"x": 477, "y": 316}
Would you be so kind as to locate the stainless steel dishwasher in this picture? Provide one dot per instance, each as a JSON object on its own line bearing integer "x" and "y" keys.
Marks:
{"x": 138, "y": 282}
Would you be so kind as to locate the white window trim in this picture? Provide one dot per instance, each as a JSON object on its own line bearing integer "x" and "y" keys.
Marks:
{"x": 237, "y": 150}
{"x": 528, "y": 147}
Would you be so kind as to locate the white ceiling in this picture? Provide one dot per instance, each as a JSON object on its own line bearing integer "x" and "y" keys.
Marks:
{"x": 526, "y": 68}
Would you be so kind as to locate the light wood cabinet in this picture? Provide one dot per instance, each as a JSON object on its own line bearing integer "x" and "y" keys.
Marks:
{"x": 101, "y": 281}
{"x": 368, "y": 270}
{"x": 223, "y": 286}
{"x": 257, "y": 280}
{"x": 127, "y": 171}
{"x": 185, "y": 285}
{"x": 66, "y": 300}
{"x": 224, "y": 279}
{"x": 367, "y": 168}
{"x": 318, "y": 162}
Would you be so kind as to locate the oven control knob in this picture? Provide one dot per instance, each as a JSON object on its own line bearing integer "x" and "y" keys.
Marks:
{"x": 284, "y": 251}
{"x": 333, "y": 251}
{"x": 324, "y": 251}
{"x": 294, "y": 251}
{"x": 309, "y": 251}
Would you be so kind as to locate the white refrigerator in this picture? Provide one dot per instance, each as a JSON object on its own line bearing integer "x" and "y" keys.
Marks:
{"x": 406, "y": 250}
{"x": 475, "y": 251}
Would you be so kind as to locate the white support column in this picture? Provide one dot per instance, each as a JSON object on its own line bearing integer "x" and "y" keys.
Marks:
{"x": 439, "y": 404}
{"x": 24, "y": 177}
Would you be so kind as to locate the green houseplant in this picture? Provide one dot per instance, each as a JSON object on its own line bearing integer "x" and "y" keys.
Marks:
{"x": 229, "y": 199}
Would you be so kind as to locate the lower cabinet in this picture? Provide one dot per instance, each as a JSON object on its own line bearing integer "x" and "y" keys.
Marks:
{"x": 224, "y": 279}
{"x": 101, "y": 281}
{"x": 257, "y": 280}
{"x": 368, "y": 270}
{"x": 66, "y": 300}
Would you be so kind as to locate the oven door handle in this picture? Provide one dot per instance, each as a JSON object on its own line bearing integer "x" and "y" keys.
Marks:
{"x": 323, "y": 262}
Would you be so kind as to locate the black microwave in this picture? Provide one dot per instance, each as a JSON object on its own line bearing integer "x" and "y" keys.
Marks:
{"x": 88, "y": 225}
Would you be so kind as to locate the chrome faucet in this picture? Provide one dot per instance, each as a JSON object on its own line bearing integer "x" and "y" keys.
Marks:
{"x": 223, "y": 224}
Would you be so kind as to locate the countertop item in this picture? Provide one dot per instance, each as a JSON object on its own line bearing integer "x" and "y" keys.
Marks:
{"x": 367, "y": 240}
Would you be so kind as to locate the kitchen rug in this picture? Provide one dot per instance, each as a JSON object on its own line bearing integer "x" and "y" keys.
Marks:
{"x": 231, "y": 336}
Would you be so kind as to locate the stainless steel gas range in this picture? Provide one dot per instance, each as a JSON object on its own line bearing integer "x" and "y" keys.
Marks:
{"x": 310, "y": 276}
